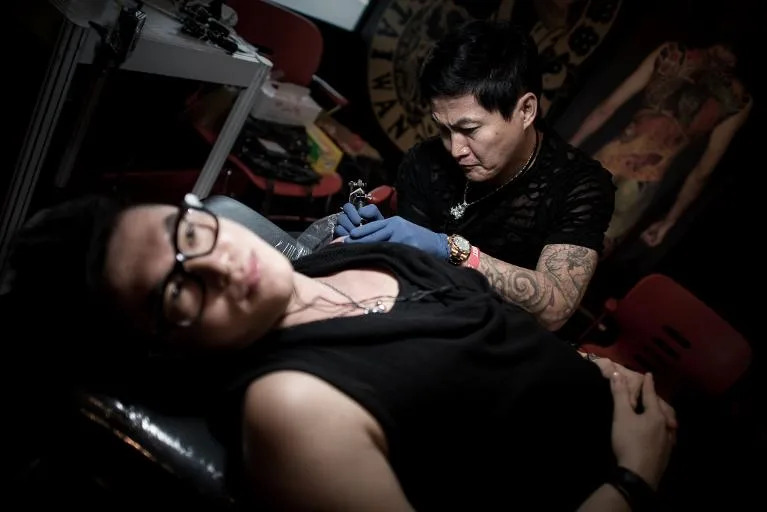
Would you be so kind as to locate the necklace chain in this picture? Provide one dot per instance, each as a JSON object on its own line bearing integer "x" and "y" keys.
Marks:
{"x": 379, "y": 306}
{"x": 459, "y": 209}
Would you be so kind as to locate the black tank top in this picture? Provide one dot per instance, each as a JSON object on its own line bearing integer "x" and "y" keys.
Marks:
{"x": 482, "y": 409}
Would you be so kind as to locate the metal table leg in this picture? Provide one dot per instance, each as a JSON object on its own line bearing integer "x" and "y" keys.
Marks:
{"x": 229, "y": 133}
{"x": 50, "y": 100}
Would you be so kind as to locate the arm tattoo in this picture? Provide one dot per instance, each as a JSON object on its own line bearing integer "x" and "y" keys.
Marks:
{"x": 553, "y": 290}
{"x": 519, "y": 285}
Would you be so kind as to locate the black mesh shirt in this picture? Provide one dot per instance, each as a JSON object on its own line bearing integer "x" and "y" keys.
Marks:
{"x": 566, "y": 197}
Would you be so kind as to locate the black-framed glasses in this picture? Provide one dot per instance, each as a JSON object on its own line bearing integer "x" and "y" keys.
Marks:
{"x": 182, "y": 295}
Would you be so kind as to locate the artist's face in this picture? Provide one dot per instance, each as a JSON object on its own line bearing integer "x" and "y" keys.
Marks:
{"x": 247, "y": 283}
{"x": 483, "y": 143}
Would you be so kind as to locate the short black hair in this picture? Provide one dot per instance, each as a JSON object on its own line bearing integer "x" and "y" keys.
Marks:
{"x": 60, "y": 251}
{"x": 76, "y": 335}
{"x": 56, "y": 265}
{"x": 496, "y": 62}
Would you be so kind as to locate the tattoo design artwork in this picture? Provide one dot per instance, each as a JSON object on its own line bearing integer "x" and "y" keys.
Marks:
{"x": 570, "y": 268}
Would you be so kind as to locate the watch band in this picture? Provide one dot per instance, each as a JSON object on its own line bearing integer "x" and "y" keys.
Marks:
{"x": 473, "y": 259}
{"x": 638, "y": 493}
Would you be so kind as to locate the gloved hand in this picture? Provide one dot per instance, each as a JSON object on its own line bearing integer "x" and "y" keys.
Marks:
{"x": 351, "y": 218}
{"x": 397, "y": 229}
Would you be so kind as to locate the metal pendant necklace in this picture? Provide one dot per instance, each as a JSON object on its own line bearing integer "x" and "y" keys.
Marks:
{"x": 378, "y": 307}
{"x": 459, "y": 209}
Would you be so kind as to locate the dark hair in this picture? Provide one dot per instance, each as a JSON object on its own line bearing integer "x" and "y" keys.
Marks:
{"x": 57, "y": 267}
{"x": 78, "y": 337}
{"x": 496, "y": 62}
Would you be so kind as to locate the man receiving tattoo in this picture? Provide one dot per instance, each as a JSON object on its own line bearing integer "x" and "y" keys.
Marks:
{"x": 498, "y": 190}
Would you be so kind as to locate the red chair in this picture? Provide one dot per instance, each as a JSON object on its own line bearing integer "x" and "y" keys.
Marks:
{"x": 291, "y": 41}
{"x": 385, "y": 197}
{"x": 326, "y": 188}
{"x": 294, "y": 44}
{"x": 661, "y": 327}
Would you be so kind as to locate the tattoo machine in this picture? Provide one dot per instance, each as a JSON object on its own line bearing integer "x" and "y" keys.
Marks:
{"x": 358, "y": 197}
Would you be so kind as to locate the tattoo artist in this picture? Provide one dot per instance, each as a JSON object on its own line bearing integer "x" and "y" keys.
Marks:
{"x": 497, "y": 190}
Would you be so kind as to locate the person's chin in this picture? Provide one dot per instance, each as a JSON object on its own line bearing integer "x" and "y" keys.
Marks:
{"x": 477, "y": 174}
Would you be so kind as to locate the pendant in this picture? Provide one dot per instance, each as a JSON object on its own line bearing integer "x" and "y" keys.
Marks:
{"x": 458, "y": 210}
{"x": 378, "y": 308}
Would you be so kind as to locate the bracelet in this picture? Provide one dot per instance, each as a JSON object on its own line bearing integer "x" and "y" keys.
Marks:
{"x": 473, "y": 260}
{"x": 634, "y": 489}
{"x": 591, "y": 356}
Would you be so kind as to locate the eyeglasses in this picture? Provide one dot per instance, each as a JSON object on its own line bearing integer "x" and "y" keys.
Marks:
{"x": 183, "y": 293}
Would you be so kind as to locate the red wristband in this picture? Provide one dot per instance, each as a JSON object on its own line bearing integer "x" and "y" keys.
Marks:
{"x": 473, "y": 260}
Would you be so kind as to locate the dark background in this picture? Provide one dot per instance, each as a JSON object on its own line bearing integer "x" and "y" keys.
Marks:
{"x": 714, "y": 251}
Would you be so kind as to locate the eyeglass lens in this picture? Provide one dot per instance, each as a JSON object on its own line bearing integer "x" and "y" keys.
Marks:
{"x": 184, "y": 293}
{"x": 196, "y": 233}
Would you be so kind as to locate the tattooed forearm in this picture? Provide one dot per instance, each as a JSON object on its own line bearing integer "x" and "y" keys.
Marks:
{"x": 519, "y": 285}
{"x": 553, "y": 290}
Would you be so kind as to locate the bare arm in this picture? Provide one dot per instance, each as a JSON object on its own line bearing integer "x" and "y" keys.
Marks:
{"x": 308, "y": 446}
{"x": 627, "y": 386}
{"x": 625, "y": 91}
{"x": 553, "y": 290}
{"x": 642, "y": 442}
{"x": 603, "y": 499}
{"x": 696, "y": 181}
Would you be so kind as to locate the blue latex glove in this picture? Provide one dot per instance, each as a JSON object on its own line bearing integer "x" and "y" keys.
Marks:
{"x": 397, "y": 229}
{"x": 351, "y": 218}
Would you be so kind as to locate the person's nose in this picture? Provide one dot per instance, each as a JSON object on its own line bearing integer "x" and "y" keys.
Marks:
{"x": 458, "y": 146}
{"x": 214, "y": 268}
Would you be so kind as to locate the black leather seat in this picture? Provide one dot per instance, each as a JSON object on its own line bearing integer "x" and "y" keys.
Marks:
{"x": 137, "y": 449}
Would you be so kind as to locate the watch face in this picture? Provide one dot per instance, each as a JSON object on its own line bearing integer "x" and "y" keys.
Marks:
{"x": 462, "y": 244}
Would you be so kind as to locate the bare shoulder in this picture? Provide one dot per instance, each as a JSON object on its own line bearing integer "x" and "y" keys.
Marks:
{"x": 308, "y": 446}
{"x": 290, "y": 404}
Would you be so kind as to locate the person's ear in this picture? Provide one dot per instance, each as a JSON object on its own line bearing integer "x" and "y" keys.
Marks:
{"x": 527, "y": 107}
